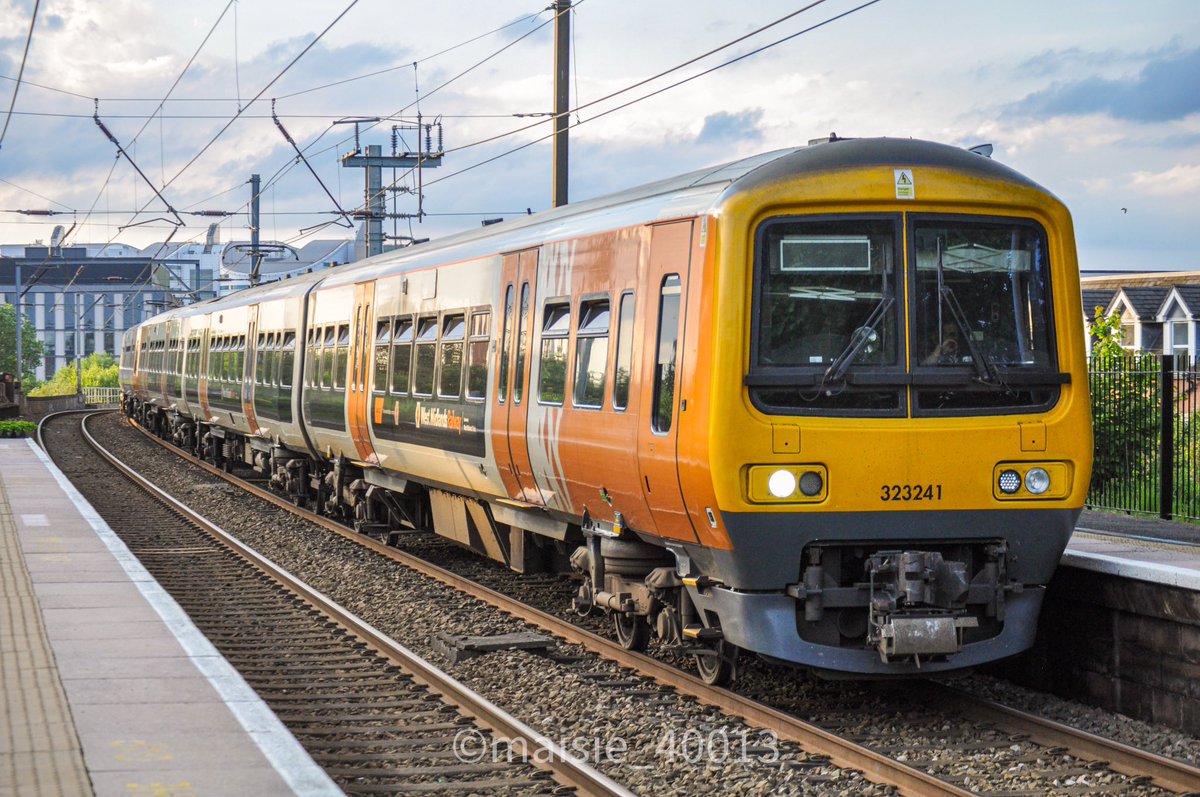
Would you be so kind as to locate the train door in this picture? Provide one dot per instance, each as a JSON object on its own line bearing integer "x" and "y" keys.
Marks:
{"x": 511, "y": 402}
{"x": 662, "y": 362}
{"x": 251, "y": 363}
{"x": 357, "y": 392}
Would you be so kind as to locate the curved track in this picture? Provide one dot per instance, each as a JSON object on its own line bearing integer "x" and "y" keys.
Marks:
{"x": 378, "y": 717}
{"x": 874, "y": 758}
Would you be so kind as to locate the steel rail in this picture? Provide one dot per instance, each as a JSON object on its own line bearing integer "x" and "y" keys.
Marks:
{"x": 1165, "y": 772}
{"x": 841, "y": 752}
{"x": 540, "y": 749}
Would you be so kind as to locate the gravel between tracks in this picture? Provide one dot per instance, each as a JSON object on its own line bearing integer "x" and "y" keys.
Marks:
{"x": 650, "y": 734}
{"x": 643, "y": 735}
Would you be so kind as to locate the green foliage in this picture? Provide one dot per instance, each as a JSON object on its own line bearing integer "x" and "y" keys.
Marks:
{"x": 32, "y": 349}
{"x": 1106, "y": 335}
{"x": 1125, "y": 415}
{"x": 99, "y": 370}
{"x": 16, "y": 428}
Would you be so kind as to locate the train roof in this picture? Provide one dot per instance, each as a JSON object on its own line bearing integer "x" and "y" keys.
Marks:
{"x": 684, "y": 195}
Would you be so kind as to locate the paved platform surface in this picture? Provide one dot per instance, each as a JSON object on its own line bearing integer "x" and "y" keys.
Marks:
{"x": 1142, "y": 548}
{"x": 106, "y": 687}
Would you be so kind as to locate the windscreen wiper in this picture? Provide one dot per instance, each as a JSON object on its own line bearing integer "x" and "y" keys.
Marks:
{"x": 985, "y": 369}
{"x": 859, "y": 339}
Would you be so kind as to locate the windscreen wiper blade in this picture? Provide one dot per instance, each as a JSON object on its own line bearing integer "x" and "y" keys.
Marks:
{"x": 859, "y": 338}
{"x": 985, "y": 369}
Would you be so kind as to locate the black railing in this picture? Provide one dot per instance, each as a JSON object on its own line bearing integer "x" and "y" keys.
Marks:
{"x": 1147, "y": 432}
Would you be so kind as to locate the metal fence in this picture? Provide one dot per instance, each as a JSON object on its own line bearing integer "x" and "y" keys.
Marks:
{"x": 102, "y": 395}
{"x": 1147, "y": 431}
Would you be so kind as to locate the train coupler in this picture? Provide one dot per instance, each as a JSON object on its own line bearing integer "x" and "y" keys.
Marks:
{"x": 917, "y": 604}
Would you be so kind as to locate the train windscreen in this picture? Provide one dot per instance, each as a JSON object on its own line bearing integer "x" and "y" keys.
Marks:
{"x": 831, "y": 315}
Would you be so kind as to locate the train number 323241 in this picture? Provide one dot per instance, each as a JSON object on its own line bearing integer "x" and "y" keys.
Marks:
{"x": 910, "y": 492}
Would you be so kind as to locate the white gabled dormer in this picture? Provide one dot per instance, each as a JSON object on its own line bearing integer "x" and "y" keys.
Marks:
{"x": 1179, "y": 315}
{"x": 1138, "y": 307}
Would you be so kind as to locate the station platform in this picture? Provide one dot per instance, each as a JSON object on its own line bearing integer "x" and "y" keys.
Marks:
{"x": 1141, "y": 548}
{"x": 106, "y": 686}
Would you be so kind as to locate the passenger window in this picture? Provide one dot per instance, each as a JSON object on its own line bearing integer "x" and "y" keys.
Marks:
{"x": 624, "y": 353}
{"x": 453, "y": 332}
{"x": 260, "y": 359}
{"x": 522, "y": 345}
{"x": 383, "y": 350}
{"x": 311, "y": 359}
{"x": 426, "y": 357}
{"x": 327, "y": 358}
{"x": 401, "y": 355}
{"x": 591, "y": 354}
{"x": 477, "y": 354}
{"x": 664, "y": 362}
{"x": 342, "y": 355}
{"x": 552, "y": 369}
{"x": 502, "y": 384}
{"x": 287, "y": 359}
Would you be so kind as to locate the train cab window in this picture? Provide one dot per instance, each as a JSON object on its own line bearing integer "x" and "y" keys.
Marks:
{"x": 287, "y": 359}
{"x": 522, "y": 345}
{"x": 477, "y": 354}
{"x": 312, "y": 358}
{"x": 828, "y": 317}
{"x": 402, "y": 334}
{"x": 505, "y": 339}
{"x": 665, "y": 354}
{"x": 591, "y": 354}
{"x": 341, "y": 357}
{"x": 425, "y": 358}
{"x": 552, "y": 368}
{"x": 327, "y": 357}
{"x": 981, "y": 326}
{"x": 454, "y": 330}
{"x": 624, "y": 353}
{"x": 383, "y": 353}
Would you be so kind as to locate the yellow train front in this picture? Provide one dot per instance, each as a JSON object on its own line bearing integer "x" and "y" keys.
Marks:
{"x": 888, "y": 437}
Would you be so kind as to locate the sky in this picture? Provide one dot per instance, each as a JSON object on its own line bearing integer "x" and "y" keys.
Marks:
{"x": 1098, "y": 101}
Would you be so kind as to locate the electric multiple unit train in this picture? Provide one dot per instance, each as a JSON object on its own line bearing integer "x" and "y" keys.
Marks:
{"x": 828, "y": 404}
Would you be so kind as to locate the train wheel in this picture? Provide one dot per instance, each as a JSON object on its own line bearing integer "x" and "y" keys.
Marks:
{"x": 719, "y": 667}
{"x": 633, "y": 633}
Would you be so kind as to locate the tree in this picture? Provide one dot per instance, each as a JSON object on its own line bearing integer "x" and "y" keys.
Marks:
{"x": 99, "y": 370}
{"x": 31, "y": 348}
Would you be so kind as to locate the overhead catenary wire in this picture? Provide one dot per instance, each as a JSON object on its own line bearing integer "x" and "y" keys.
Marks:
{"x": 20, "y": 72}
{"x": 644, "y": 82}
{"x": 661, "y": 90}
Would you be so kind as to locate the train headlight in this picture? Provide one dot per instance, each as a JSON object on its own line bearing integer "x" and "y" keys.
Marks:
{"x": 1026, "y": 481}
{"x": 782, "y": 484}
{"x": 811, "y": 483}
{"x": 786, "y": 484}
{"x": 1037, "y": 481}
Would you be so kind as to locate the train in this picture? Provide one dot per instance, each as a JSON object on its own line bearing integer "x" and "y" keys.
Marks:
{"x": 827, "y": 405}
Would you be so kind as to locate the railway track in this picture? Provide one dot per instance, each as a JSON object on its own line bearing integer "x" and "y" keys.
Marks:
{"x": 1047, "y": 757}
{"x": 377, "y": 717}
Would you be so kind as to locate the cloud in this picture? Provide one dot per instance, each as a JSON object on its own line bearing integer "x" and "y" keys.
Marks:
{"x": 1182, "y": 180}
{"x": 1164, "y": 90}
{"x": 726, "y": 127}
